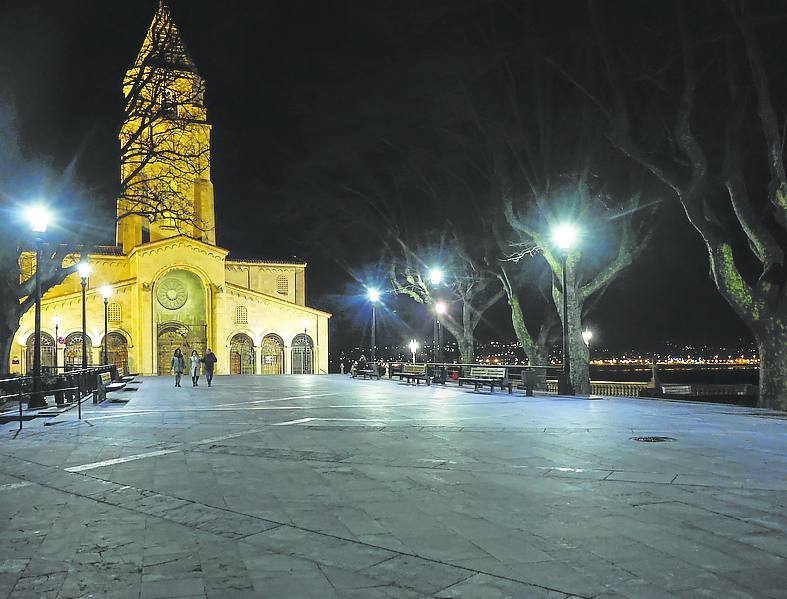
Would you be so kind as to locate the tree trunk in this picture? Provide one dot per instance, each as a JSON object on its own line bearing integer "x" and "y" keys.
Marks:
{"x": 772, "y": 344}
{"x": 580, "y": 356}
{"x": 466, "y": 349}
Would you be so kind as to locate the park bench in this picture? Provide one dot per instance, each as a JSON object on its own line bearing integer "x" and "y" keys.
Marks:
{"x": 484, "y": 375}
{"x": 104, "y": 385}
{"x": 676, "y": 389}
{"x": 413, "y": 372}
{"x": 371, "y": 373}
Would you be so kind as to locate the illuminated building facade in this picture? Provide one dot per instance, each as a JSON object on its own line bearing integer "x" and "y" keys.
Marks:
{"x": 172, "y": 286}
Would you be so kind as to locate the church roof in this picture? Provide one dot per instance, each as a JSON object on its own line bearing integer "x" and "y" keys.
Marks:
{"x": 163, "y": 46}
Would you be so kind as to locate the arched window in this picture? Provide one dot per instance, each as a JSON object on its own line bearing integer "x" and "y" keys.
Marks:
{"x": 47, "y": 351}
{"x": 282, "y": 285}
{"x": 302, "y": 354}
{"x": 114, "y": 312}
{"x": 73, "y": 355}
{"x": 241, "y": 355}
{"x": 117, "y": 351}
{"x": 241, "y": 315}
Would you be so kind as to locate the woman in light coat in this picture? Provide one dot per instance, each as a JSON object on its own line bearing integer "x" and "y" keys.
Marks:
{"x": 194, "y": 367}
{"x": 178, "y": 366}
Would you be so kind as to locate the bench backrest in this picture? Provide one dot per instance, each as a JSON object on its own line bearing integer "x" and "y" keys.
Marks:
{"x": 485, "y": 372}
{"x": 105, "y": 378}
{"x": 414, "y": 368}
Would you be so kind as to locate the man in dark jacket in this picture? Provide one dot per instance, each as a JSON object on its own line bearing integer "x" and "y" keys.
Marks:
{"x": 210, "y": 362}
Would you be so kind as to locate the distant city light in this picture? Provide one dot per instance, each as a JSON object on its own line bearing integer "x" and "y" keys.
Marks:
{"x": 565, "y": 236}
{"x": 374, "y": 295}
{"x": 38, "y": 217}
{"x": 435, "y": 276}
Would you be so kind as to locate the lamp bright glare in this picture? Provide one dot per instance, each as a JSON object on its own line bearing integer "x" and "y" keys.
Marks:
{"x": 305, "y": 323}
{"x": 56, "y": 321}
{"x": 587, "y": 335}
{"x": 84, "y": 270}
{"x": 106, "y": 292}
{"x": 374, "y": 295}
{"x": 38, "y": 217}
{"x": 413, "y": 345}
{"x": 440, "y": 308}
{"x": 565, "y": 236}
{"x": 435, "y": 276}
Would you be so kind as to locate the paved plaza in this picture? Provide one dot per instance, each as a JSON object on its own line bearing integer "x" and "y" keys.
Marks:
{"x": 324, "y": 487}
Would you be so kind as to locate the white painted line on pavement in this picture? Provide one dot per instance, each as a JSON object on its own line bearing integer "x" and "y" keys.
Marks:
{"x": 9, "y": 486}
{"x": 243, "y": 403}
{"x": 225, "y": 437}
{"x": 130, "y": 458}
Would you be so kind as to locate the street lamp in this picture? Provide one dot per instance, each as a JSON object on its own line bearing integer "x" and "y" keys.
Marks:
{"x": 587, "y": 335}
{"x": 56, "y": 320}
{"x": 439, "y": 309}
{"x": 305, "y": 324}
{"x": 435, "y": 276}
{"x": 374, "y": 297}
{"x": 38, "y": 217}
{"x": 106, "y": 292}
{"x": 84, "y": 273}
{"x": 413, "y": 345}
{"x": 564, "y": 237}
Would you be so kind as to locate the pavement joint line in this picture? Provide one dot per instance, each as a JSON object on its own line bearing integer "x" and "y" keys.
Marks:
{"x": 278, "y": 525}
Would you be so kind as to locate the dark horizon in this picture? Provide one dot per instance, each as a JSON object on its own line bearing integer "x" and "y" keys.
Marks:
{"x": 284, "y": 82}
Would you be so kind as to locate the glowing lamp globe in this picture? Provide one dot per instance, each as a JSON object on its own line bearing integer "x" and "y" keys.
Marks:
{"x": 587, "y": 336}
{"x": 413, "y": 345}
{"x": 84, "y": 270}
{"x": 440, "y": 308}
{"x": 106, "y": 292}
{"x": 38, "y": 217}
{"x": 374, "y": 295}
{"x": 565, "y": 236}
{"x": 435, "y": 276}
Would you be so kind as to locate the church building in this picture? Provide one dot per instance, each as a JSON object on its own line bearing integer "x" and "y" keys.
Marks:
{"x": 170, "y": 284}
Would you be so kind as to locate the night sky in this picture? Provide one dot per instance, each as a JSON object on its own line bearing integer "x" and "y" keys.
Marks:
{"x": 290, "y": 82}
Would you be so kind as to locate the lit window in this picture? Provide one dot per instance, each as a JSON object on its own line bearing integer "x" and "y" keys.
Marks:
{"x": 282, "y": 285}
{"x": 114, "y": 312}
{"x": 241, "y": 315}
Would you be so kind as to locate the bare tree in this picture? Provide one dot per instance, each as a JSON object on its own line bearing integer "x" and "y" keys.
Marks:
{"x": 468, "y": 282}
{"x": 683, "y": 163}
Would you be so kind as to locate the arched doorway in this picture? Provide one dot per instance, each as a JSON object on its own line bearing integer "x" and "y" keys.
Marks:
{"x": 47, "y": 351}
{"x": 241, "y": 355}
{"x": 73, "y": 353}
{"x": 117, "y": 351}
{"x": 171, "y": 336}
{"x": 302, "y": 354}
{"x": 272, "y": 355}
{"x": 180, "y": 312}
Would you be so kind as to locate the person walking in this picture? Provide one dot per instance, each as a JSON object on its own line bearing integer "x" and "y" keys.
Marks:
{"x": 178, "y": 366}
{"x": 194, "y": 368}
{"x": 210, "y": 363}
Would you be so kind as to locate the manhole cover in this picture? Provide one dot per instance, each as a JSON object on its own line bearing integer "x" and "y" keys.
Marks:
{"x": 652, "y": 439}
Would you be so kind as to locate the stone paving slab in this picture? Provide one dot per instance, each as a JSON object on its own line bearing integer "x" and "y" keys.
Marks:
{"x": 305, "y": 486}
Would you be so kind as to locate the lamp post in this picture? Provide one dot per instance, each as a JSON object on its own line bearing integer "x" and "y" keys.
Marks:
{"x": 374, "y": 297}
{"x": 413, "y": 345}
{"x": 439, "y": 309}
{"x": 106, "y": 292}
{"x": 39, "y": 217}
{"x": 564, "y": 237}
{"x": 84, "y": 273}
{"x": 56, "y": 320}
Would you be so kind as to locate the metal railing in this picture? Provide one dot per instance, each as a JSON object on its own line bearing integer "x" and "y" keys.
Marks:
{"x": 69, "y": 387}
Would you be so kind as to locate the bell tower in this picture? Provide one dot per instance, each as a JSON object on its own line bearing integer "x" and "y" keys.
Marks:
{"x": 165, "y": 143}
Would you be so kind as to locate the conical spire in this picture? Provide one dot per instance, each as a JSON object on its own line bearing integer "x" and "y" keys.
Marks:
{"x": 163, "y": 46}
